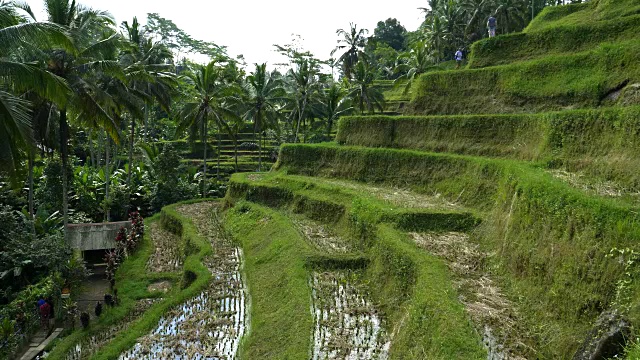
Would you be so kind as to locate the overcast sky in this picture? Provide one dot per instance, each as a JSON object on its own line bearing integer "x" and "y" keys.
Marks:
{"x": 251, "y": 27}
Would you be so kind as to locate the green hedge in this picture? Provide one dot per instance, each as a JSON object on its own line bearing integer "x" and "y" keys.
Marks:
{"x": 551, "y": 40}
{"x": 603, "y": 143}
{"x": 550, "y": 240}
{"x": 581, "y": 80}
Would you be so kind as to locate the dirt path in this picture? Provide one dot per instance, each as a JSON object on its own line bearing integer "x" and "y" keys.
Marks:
{"x": 210, "y": 325}
{"x": 492, "y": 313}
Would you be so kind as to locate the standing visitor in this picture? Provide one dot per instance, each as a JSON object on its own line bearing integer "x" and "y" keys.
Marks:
{"x": 492, "y": 23}
{"x": 45, "y": 313}
{"x": 458, "y": 58}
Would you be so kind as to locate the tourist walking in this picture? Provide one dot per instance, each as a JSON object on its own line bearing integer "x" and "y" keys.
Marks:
{"x": 458, "y": 56}
{"x": 492, "y": 23}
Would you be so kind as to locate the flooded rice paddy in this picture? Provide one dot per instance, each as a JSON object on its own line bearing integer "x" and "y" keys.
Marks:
{"x": 346, "y": 324}
{"x": 210, "y": 325}
{"x": 91, "y": 345}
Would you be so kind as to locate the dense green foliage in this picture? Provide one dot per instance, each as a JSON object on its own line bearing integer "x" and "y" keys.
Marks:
{"x": 132, "y": 280}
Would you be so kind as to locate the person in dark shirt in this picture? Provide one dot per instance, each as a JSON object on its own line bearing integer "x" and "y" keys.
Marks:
{"x": 492, "y": 24}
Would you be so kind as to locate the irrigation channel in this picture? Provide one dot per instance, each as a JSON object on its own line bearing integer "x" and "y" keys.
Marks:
{"x": 210, "y": 325}
{"x": 346, "y": 324}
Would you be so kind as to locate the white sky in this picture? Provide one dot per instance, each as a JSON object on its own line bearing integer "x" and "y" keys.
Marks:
{"x": 251, "y": 27}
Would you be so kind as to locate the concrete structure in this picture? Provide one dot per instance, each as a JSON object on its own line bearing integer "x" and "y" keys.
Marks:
{"x": 101, "y": 236}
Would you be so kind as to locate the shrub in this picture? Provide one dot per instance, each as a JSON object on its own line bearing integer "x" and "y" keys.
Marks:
{"x": 188, "y": 277}
{"x": 84, "y": 320}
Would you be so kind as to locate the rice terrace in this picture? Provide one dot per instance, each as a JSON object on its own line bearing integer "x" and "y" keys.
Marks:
{"x": 465, "y": 188}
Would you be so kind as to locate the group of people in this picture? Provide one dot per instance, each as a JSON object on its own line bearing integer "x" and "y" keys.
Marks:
{"x": 492, "y": 24}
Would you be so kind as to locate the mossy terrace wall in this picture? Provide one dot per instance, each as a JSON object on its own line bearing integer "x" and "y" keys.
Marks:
{"x": 601, "y": 143}
{"x": 550, "y": 240}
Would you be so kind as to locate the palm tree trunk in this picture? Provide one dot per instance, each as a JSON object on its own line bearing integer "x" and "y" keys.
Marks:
{"x": 219, "y": 144}
{"x": 92, "y": 156}
{"x": 107, "y": 180}
{"x": 65, "y": 161}
{"x": 259, "y": 143}
{"x": 204, "y": 175}
{"x": 146, "y": 121}
{"x": 304, "y": 105}
{"x": 31, "y": 205}
{"x": 235, "y": 150}
{"x": 260, "y": 153}
{"x": 131, "y": 140}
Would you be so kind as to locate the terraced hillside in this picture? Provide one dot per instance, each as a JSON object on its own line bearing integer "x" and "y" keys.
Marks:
{"x": 245, "y": 150}
{"x": 497, "y": 219}
{"x": 576, "y": 56}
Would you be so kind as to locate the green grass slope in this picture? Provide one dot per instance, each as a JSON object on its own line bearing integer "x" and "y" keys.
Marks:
{"x": 552, "y": 40}
{"x": 581, "y": 80}
{"x": 281, "y": 323}
{"x": 550, "y": 241}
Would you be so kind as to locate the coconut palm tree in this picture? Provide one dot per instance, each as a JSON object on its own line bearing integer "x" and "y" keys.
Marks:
{"x": 352, "y": 46}
{"x": 412, "y": 64}
{"x": 265, "y": 89}
{"x": 19, "y": 76}
{"x": 212, "y": 102}
{"x": 303, "y": 83}
{"x": 92, "y": 33}
{"x": 364, "y": 94}
{"x": 334, "y": 104}
{"x": 149, "y": 75}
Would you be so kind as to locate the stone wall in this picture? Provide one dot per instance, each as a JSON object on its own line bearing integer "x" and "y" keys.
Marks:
{"x": 101, "y": 236}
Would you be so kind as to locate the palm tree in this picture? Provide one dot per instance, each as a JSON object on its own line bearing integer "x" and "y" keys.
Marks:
{"x": 363, "y": 93}
{"x": 18, "y": 77}
{"x": 211, "y": 102}
{"x": 265, "y": 89}
{"x": 412, "y": 64}
{"x": 334, "y": 104}
{"x": 512, "y": 15}
{"x": 149, "y": 76}
{"x": 86, "y": 28}
{"x": 304, "y": 83}
{"x": 352, "y": 44}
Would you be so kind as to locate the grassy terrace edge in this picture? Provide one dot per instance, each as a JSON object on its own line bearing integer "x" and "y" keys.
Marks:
{"x": 602, "y": 143}
{"x": 551, "y": 40}
{"x": 550, "y": 241}
{"x": 132, "y": 280}
{"x": 555, "y": 82}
